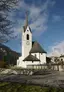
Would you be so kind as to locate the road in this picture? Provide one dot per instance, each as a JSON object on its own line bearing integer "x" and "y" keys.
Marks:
{"x": 54, "y": 79}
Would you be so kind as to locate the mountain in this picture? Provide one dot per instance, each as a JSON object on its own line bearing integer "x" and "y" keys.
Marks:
{"x": 8, "y": 55}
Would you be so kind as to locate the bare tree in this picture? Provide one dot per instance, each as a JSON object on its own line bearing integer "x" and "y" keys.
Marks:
{"x": 5, "y": 23}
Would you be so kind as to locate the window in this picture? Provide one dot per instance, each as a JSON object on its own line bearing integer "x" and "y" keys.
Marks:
{"x": 27, "y": 36}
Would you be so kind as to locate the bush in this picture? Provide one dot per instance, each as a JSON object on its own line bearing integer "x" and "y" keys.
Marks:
{"x": 2, "y": 64}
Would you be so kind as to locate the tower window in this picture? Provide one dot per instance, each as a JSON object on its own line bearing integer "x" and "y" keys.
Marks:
{"x": 27, "y": 36}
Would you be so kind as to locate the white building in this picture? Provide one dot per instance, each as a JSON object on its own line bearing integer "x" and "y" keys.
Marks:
{"x": 32, "y": 52}
{"x": 61, "y": 58}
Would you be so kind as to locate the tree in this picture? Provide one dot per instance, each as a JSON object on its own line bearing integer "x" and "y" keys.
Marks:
{"x": 2, "y": 64}
{"x": 6, "y": 24}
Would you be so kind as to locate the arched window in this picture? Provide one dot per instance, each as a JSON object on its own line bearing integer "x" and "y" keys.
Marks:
{"x": 27, "y": 36}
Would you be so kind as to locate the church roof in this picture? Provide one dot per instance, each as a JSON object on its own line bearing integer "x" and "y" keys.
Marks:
{"x": 26, "y": 24}
{"x": 37, "y": 48}
{"x": 31, "y": 58}
{"x": 33, "y": 43}
{"x": 25, "y": 27}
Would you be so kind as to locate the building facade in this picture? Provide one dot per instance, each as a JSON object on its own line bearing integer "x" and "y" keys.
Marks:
{"x": 32, "y": 53}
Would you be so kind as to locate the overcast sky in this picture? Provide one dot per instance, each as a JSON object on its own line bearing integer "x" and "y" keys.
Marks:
{"x": 46, "y": 19}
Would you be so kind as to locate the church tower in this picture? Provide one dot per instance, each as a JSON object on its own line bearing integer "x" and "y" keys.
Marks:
{"x": 26, "y": 39}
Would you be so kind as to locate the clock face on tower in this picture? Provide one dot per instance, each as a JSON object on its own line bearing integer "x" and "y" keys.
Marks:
{"x": 27, "y": 42}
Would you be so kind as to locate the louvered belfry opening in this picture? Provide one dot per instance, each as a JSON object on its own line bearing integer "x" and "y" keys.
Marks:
{"x": 27, "y": 36}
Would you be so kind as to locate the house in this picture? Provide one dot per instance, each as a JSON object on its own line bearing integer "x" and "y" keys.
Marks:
{"x": 57, "y": 63}
{"x": 62, "y": 58}
{"x": 32, "y": 52}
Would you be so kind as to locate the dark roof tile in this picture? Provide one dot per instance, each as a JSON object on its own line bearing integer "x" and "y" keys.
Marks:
{"x": 37, "y": 48}
{"x": 31, "y": 58}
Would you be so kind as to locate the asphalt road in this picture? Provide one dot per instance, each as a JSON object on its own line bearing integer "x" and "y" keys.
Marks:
{"x": 55, "y": 79}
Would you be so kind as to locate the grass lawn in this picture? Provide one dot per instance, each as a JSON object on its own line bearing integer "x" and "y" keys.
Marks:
{"x": 17, "y": 87}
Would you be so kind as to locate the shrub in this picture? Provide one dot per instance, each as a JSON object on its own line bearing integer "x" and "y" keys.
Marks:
{"x": 2, "y": 64}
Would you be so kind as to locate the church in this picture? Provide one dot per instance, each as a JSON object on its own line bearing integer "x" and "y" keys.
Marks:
{"x": 33, "y": 55}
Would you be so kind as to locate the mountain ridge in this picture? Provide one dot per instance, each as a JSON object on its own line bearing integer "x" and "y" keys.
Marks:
{"x": 8, "y": 55}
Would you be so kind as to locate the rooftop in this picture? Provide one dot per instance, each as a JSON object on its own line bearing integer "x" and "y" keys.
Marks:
{"x": 37, "y": 48}
{"x": 31, "y": 58}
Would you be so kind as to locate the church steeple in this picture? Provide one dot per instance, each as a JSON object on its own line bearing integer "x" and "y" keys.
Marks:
{"x": 26, "y": 39}
{"x": 26, "y": 22}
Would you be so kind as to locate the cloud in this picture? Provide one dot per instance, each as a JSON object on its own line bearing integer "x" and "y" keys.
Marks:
{"x": 57, "y": 49}
{"x": 38, "y": 15}
{"x": 39, "y": 26}
{"x": 56, "y": 18}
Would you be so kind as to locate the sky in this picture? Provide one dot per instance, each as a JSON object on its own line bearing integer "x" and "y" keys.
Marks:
{"x": 46, "y": 20}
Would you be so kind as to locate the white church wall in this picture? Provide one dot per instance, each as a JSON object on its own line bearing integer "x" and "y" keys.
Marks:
{"x": 41, "y": 56}
{"x": 26, "y": 44}
{"x": 22, "y": 51}
{"x": 21, "y": 63}
{"x": 32, "y": 63}
{"x": 35, "y": 54}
